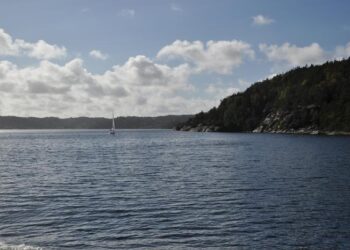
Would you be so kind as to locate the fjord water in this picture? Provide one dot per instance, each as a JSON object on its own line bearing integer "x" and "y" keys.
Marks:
{"x": 86, "y": 189}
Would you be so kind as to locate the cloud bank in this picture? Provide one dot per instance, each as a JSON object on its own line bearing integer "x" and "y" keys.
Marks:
{"x": 38, "y": 50}
{"x": 294, "y": 55}
{"x": 215, "y": 56}
{"x": 139, "y": 86}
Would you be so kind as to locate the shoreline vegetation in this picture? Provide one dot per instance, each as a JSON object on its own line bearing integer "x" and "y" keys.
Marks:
{"x": 308, "y": 100}
{"x": 130, "y": 122}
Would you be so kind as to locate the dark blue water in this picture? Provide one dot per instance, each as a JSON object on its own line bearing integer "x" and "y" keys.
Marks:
{"x": 165, "y": 189}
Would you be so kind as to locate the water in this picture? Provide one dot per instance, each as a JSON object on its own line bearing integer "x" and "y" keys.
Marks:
{"x": 165, "y": 189}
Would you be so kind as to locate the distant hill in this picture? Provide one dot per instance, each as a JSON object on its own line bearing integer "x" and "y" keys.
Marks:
{"x": 164, "y": 122}
{"x": 311, "y": 99}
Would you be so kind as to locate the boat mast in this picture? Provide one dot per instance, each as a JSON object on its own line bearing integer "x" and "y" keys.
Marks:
{"x": 113, "y": 124}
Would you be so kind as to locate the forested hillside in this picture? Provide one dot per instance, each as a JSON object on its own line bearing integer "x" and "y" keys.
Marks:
{"x": 311, "y": 99}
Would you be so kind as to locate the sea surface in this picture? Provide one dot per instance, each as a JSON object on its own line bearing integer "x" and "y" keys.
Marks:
{"x": 162, "y": 189}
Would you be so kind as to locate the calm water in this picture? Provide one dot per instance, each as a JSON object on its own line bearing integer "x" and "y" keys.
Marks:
{"x": 165, "y": 189}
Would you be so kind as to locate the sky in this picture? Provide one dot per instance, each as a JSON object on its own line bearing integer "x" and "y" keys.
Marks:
{"x": 146, "y": 58}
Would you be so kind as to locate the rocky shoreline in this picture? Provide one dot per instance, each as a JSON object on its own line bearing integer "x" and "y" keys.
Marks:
{"x": 301, "y": 131}
{"x": 200, "y": 128}
{"x": 303, "y": 120}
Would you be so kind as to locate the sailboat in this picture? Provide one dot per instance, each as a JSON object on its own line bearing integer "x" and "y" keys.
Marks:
{"x": 112, "y": 131}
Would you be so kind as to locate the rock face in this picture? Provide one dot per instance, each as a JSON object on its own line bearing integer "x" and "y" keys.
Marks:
{"x": 200, "y": 128}
{"x": 303, "y": 120}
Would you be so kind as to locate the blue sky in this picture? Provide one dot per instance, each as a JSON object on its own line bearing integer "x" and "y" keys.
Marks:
{"x": 252, "y": 40}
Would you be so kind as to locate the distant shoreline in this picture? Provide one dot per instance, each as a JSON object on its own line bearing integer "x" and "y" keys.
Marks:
{"x": 130, "y": 122}
{"x": 87, "y": 129}
{"x": 320, "y": 133}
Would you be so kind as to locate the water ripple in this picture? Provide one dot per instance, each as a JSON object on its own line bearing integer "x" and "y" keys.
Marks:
{"x": 159, "y": 189}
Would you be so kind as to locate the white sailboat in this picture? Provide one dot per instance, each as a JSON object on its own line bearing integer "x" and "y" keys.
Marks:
{"x": 112, "y": 131}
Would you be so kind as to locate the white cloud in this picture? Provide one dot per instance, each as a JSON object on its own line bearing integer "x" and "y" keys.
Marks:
{"x": 38, "y": 50}
{"x": 7, "y": 46}
{"x": 6, "y": 67}
{"x": 220, "y": 91}
{"x": 140, "y": 86}
{"x": 262, "y": 20}
{"x": 137, "y": 87}
{"x": 243, "y": 84}
{"x": 272, "y": 75}
{"x": 175, "y": 7}
{"x": 342, "y": 52}
{"x": 293, "y": 55}
{"x": 217, "y": 56}
{"x": 43, "y": 50}
{"x": 130, "y": 13}
{"x": 98, "y": 54}
{"x": 142, "y": 71}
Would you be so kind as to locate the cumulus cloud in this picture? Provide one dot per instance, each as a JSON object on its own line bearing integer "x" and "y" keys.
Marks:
{"x": 5, "y": 68}
{"x": 38, "y": 50}
{"x": 216, "y": 56}
{"x": 7, "y": 46}
{"x": 98, "y": 54}
{"x": 138, "y": 87}
{"x": 43, "y": 88}
{"x": 142, "y": 71}
{"x": 130, "y": 13}
{"x": 262, "y": 20}
{"x": 294, "y": 55}
{"x": 220, "y": 91}
{"x": 43, "y": 50}
{"x": 342, "y": 52}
